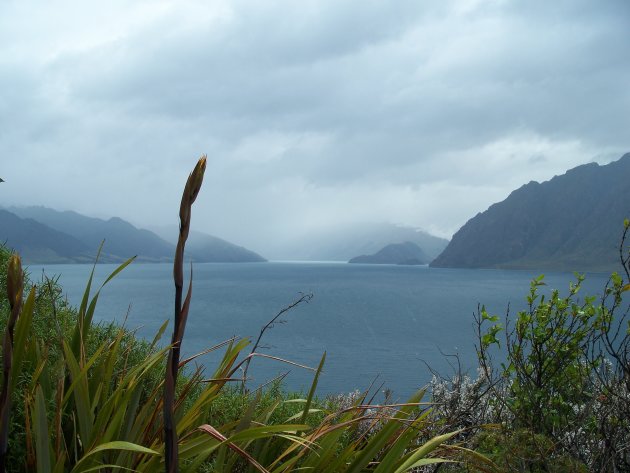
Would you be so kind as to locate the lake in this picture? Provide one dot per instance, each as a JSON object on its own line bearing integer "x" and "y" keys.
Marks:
{"x": 380, "y": 322}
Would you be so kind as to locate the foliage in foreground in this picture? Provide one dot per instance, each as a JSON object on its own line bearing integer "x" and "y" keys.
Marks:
{"x": 101, "y": 407}
{"x": 553, "y": 381}
{"x": 85, "y": 401}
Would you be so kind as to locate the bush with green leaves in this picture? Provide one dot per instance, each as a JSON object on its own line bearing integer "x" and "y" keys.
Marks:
{"x": 563, "y": 375}
{"x": 552, "y": 392}
{"x": 519, "y": 450}
{"x": 547, "y": 367}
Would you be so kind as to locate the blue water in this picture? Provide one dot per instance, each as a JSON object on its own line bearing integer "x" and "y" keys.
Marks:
{"x": 374, "y": 321}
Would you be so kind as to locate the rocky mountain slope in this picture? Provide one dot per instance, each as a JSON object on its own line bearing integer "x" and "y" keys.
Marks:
{"x": 572, "y": 222}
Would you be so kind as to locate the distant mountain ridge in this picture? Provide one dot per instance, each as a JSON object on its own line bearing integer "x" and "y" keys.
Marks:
{"x": 38, "y": 242}
{"x": 44, "y": 235}
{"x": 122, "y": 239}
{"x": 201, "y": 245}
{"x": 345, "y": 242}
{"x": 406, "y": 253}
{"x": 572, "y": 222}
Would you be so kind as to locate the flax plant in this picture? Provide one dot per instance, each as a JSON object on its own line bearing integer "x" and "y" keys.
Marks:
{"x": 18, "y": 326}
{"x": 193, "y": 185}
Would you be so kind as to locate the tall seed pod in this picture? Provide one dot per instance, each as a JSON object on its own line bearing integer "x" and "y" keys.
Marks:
{"x": 15, "y": 287}
{"x": 193, "y": 185}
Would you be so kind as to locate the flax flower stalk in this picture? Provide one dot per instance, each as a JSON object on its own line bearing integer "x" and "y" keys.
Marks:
{"x": 15, "y": 287}
{"x": 193, "y": 185}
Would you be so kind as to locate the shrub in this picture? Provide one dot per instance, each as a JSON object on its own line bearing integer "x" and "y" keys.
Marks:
{"x": 564, "y": 378}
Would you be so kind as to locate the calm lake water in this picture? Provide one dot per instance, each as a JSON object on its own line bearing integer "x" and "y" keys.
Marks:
{"x": 374, "y": 321}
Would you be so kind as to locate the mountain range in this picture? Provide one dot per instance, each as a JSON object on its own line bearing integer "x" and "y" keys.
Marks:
{"x": 44, "y": 235}
{"x": 572, "y": 222}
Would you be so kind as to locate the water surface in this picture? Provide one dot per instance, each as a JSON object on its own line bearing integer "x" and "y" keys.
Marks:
{"x": 374, "y": 321}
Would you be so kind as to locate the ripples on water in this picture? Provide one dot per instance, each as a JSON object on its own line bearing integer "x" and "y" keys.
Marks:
{"x": 374, "y": 321}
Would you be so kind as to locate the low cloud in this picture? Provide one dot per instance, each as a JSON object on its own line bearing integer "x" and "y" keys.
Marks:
{"x": 315, "y": 112}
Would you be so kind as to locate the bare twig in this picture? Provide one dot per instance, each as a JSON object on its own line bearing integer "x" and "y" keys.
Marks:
{"x": 303, "y": 298}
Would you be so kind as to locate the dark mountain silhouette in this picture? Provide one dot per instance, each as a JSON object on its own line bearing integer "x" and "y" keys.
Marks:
{"x": 123, "y": 240}
{"x": 397, "y": 253}
{"x": 572, "y": 222}
{"x": 38, "y": 243}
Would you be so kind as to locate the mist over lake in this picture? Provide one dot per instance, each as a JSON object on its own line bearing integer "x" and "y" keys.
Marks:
{"x": 380, "y": 322}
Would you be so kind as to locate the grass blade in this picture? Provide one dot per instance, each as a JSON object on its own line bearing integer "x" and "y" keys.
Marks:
{"x": 22, "y": 327}
{"x": 378, "y": 441}
{"x": 208, "y": 429}
{"x": 42, "y": 439}
{"x": 311, "y": 393}
{"x": 116, "y": 445}
{"x": 420, "y": 454}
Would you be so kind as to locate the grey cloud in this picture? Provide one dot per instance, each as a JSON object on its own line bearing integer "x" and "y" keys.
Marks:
{"x": 517, "y": 83}
{"x": 365, "y": 101}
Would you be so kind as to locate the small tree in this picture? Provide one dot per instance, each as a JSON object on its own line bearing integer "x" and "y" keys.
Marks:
{"x": 546, "y": 366}
{"x": 565, "y": 375}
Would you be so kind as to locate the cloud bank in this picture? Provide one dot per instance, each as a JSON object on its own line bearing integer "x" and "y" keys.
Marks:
{"x": 312, "y": 113}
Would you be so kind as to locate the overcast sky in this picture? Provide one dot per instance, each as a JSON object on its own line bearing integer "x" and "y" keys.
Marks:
{"x": 312, "y": 113}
